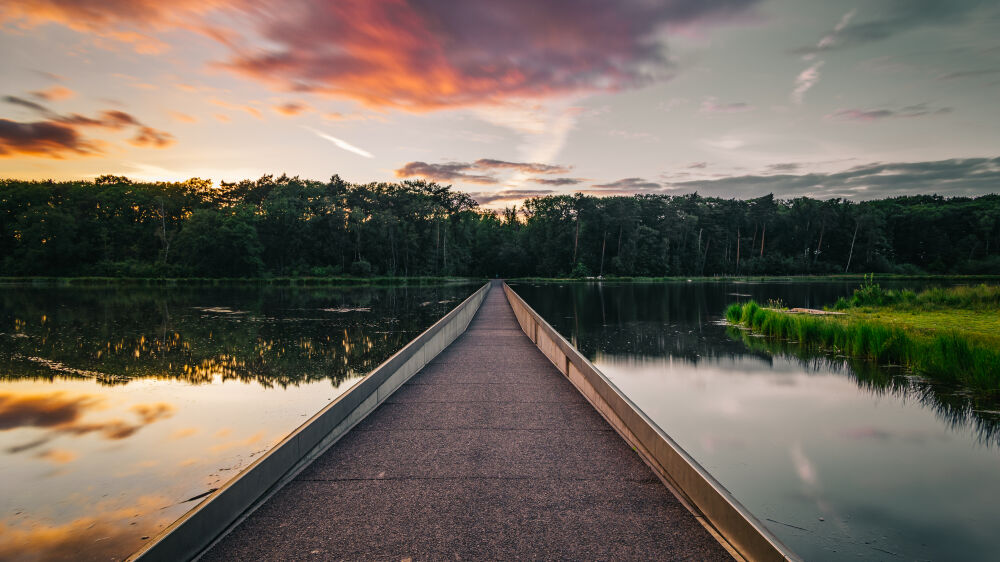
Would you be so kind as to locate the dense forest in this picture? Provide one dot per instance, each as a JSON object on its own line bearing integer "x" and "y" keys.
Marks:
{"x": 287, "y": 226}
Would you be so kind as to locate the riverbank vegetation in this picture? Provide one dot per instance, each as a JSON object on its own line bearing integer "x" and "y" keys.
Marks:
{"x": 292, "y": 227}
{"x": 949, "y": 334}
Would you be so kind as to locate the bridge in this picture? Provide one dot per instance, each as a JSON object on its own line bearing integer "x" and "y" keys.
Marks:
{"x": 496, "y": 447}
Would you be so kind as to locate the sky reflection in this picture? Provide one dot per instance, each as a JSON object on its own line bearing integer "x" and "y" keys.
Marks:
{"x": 838, "y": 458}
{"x": 139, "y": 402}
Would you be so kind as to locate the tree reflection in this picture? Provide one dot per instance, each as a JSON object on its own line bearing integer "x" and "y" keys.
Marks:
{"x": 683, "y": 321}
{"x": 950, "y": 404}
{"x": 270, "y": 336}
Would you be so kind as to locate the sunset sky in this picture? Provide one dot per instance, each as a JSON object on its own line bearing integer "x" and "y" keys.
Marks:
{"x": 507, "y": 99}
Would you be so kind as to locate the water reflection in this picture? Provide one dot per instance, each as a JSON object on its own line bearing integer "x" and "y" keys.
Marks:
{"x": 120, "y": 408}
{"x": 838, "y": 458}
{"x": 62, "y": 413}
{"x": 955, "y": 407}
{"x": 271, "y": 336}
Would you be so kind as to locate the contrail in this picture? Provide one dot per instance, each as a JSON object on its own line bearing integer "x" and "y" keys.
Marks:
{"x": 342, "y": 144}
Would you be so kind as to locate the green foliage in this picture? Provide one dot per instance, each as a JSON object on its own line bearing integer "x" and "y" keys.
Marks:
{"x": 115, "y": 226}
{"x": 361, "y": 268}
{"x": 870, "y": 294}
{"x": 733, "y": 313}
{"x": 948, "y": 356}
{"x": 219, "y": 243}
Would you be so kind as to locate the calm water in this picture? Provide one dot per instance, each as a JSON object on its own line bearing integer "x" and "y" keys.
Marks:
{"x": 120, "y": 407}
{"x": 839, "y": 460}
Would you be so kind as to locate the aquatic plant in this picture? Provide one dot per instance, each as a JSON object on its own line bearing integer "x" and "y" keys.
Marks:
{"x": 871, "y": 294}
{"x": 949, "y": 356}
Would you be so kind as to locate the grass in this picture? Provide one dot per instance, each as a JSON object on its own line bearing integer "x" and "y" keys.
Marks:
{"x": 951, "y": 335}
{"x": 871, "y": 294}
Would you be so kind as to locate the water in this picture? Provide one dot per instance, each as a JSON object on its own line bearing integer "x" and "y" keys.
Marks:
{"x": 840, "y": 460}
{"x": 120, "y": 407}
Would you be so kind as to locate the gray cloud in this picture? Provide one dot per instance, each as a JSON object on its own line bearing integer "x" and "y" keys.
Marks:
{"x": 451, "y": 171}
{"x": 917, "y": 110}
{"x": 712, "y": 105}
{"x": 481, "y": 171}
{"x": 956, "y": 177}
{"x": 557, "y": 181}
{"x": 485, "y": 198}
{"x": 14, "y": 100}
{"x": 628, "y": 184}
{"x": 784, "y": 167}
{"x": 57, "y": 136}
{"x": 895, "y": 17}
{"x": 526, "y": 167}
{"x": 969, "y": 73}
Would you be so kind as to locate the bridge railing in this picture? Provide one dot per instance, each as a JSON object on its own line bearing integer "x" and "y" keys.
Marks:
{"x": 707, "y": 499}
{"x": 198, "y": 529}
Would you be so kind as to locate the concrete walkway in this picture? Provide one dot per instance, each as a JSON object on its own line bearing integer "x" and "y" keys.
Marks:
{"x": 487, "y": 454}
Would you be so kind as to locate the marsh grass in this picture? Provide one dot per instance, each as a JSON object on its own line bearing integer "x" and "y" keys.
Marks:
{"x": 947, "y": 355}
{"x": 871, "y": 294}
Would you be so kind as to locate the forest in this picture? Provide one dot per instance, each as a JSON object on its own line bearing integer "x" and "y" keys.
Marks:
{"x": 288, "y": 226}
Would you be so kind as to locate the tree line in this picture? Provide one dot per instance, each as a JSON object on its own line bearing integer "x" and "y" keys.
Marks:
{"x": 288, "y": 226}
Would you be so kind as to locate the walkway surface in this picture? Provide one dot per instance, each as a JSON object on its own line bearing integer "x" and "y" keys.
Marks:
{"x": 487, "y": 453}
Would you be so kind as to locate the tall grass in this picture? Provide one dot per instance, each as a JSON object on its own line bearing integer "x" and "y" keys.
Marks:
{"x": 969, "y": 297}
{"x": 948, "y": 357}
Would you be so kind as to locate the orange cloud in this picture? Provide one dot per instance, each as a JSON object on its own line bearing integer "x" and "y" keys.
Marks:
{"x": 47, "y": 410}
{"x": 252, "y": 440}
{"x": 55, "y": 93}
{"x": 57, "y": 456}
{"x": 113, "y": 525}
{"x": 62, "y": 413}
{"x": 148, "y": 136}
{"x": 183, "y": 117}
{"x": 415, "y": 56}
{"x": 133, "y": 22}
{"x": 421, "y": 56}
{"x": 185, "y": 432}
{"x": 149, "y": 413}
{"x": 237, "y": 107}
{"x": 291, "y": 109}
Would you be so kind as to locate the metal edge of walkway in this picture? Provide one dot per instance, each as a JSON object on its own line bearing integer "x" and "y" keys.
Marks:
{"x": 716, "y": 508}
{"x": 200, "y": 527}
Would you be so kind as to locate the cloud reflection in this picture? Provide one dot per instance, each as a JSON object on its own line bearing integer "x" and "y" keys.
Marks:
{"x": 63, "y": 413}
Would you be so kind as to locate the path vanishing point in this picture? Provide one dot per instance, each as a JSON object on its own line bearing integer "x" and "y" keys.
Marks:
{"x": 487, "y": 453}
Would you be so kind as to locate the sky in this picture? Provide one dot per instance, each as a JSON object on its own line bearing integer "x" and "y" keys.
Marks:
{"x": 506, "y": 100}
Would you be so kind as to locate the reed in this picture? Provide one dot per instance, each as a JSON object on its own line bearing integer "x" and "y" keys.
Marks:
{"x": 948, "y": 356}
{"x": 871, "y": 294}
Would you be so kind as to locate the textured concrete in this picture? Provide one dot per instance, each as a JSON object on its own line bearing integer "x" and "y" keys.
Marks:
{"x": 487, "y": 453}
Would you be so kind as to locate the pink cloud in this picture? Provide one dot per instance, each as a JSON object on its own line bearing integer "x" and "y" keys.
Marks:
{"x": 413, "y": 55}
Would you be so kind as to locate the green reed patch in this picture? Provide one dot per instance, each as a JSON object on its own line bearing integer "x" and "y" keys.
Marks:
{"x": 948, "y": 356}
{"x": 972, "y": 297}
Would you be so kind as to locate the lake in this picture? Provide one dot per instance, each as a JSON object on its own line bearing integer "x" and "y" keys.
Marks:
{"x": 838, "y": 458}
{"x": 120, "y": 408}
